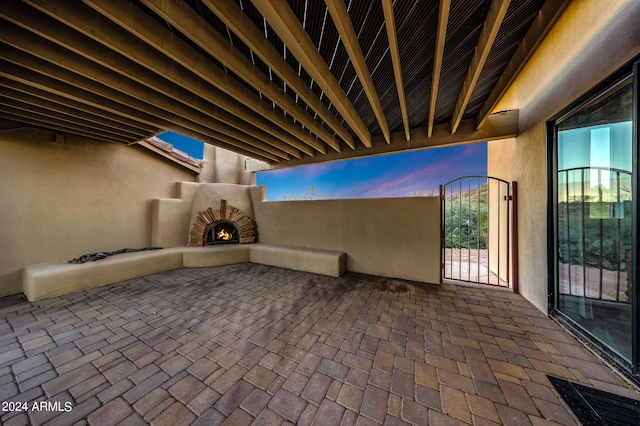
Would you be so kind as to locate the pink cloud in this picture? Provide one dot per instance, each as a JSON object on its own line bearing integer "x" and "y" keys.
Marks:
{"x": 426, "y": 178}
{"x": 310, "y": 171}
{"x": 401, "y": 185}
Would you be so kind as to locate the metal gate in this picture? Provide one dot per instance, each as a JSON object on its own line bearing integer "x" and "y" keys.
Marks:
{"x": 478, "y": 231}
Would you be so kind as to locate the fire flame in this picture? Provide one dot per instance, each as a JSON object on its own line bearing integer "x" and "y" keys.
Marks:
{"x": 224, "y": 235}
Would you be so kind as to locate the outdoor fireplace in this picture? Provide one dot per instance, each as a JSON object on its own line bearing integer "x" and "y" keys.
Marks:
{"x": 223, "y": 232}
{"x": 226, "y": 225}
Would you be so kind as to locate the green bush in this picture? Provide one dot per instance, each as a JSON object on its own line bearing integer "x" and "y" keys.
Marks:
{"x": 466, "y": 220}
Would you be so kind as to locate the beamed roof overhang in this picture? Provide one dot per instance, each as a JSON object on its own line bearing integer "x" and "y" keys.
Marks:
{"x": 287, "y": 82}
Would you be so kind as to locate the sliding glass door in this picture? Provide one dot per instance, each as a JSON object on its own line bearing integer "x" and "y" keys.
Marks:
{"x": 594, "y": 216}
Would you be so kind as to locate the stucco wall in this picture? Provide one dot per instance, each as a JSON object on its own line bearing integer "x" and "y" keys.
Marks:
{"x": 171, "y": 217}
{"x": 62, "y": 200}
{"x": 393, "y": 237}
{"x": 221, "y": 165}
{"x": 590, "y": 41}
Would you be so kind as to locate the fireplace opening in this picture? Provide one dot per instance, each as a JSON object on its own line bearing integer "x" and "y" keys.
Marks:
{"x": 224, "y": 232}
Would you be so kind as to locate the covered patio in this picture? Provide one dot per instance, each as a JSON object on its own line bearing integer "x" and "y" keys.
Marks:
{"x": 254, "y": 344}
{"x": 86, "y": 86}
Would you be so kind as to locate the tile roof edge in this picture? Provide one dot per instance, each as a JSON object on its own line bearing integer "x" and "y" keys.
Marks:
{"x": 168, "y": 151}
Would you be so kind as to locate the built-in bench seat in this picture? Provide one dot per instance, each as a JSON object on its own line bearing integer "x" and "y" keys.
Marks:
{"x": 325, "y": 262}
{"x": 199, "y": 257}
{"x": 54, "y": 279}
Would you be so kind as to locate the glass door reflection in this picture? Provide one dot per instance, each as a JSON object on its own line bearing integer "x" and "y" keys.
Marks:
{"x": 594, "y": 218}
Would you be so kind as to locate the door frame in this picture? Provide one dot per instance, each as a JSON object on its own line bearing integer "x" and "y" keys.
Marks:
{"x": 630, "y": 370}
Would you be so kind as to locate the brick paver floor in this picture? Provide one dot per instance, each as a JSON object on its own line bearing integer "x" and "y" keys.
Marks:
{"x": 248, "y": 343}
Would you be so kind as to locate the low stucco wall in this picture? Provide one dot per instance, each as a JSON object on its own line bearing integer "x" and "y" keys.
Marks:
{"x": 591, "y": 40}
{"x": 63, "y": 200}
{"x": 392, "y": 237}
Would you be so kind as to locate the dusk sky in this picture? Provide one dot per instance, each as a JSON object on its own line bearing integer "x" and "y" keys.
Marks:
{"x": 395, "y": 175}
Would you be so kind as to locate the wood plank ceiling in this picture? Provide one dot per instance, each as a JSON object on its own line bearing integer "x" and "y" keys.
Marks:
{"x": 286, "y": 82}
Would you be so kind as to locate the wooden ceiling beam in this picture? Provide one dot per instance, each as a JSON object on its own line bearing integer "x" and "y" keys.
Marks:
{"x": 18, "y": 77}
{"x": 287, "y": 26}
{"x": 15, "y": 75}
{"x": 84, "y": 20}
{"x": 50, "y": 109}
{"x": 245, "y": 29}
{"x": 495, "y": 16}
{"x": 233, "y": 17}
{"x": 542, "y": 24}
{"x": 143, "y": 27}
{"x": 114, "y": 86}
{"x": 189, "y": 23}
{"x": 222, "y": 142}
{"x": 392, "y": 35}
{"x": 65, "y": 104}
{"x": 68, "y": 120}
{"x": 441, "y": 35}
{"x": 19, "y": 66}
{"x": 342, "y": 20}
{"x": 498, "y": 126}
{"x": 38, "y": 120}
{"x": 35, "y": 21}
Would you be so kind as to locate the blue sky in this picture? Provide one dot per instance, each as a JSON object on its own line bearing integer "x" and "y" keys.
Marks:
{"x": 395, "y": 175}
{"x": 193, "y": 147}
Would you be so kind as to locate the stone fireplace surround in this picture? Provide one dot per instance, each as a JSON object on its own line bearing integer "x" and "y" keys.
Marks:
{"x": 173, "y": 219}
{"x": 209, "y": 218}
